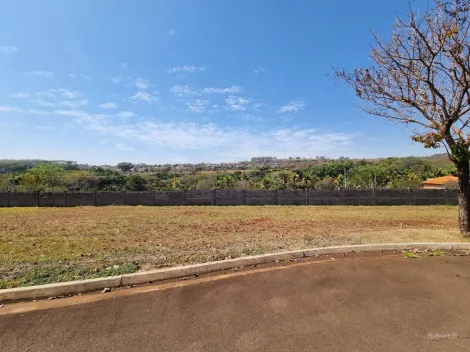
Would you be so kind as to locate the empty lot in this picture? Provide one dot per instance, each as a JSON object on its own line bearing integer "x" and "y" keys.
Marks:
{"x": 44, "y": 245}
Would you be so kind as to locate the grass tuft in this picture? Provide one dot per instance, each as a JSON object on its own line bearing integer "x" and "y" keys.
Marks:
{"x": 436, "y": 253}
{"x": 410, "y": 255}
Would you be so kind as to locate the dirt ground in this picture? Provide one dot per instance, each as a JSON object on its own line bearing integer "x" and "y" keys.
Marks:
{"x": 382, "y": 304}
{"x": 46, "y": 245}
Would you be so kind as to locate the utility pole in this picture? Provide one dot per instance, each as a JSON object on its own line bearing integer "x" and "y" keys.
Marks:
{"x": 345, "y": 177}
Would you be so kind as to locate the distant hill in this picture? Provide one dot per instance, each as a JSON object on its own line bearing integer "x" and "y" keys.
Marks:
{"x": 21, "y": 165}
{"x": 295, "y": 163}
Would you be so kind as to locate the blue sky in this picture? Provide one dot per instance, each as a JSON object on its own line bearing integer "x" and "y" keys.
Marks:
{"x": 188, "y": 81}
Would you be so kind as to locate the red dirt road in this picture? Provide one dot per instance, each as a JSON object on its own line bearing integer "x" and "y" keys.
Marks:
{"x": 374, "y": 304}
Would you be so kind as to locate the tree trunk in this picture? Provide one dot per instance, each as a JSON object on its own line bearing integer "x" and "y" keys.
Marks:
{"x": 463, "y": 169}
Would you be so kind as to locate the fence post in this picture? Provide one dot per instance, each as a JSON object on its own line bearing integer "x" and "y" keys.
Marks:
{"x": 66, "y": 202}
{"x": 374, "y": 201}
{"x": 125, "y": 197}
{"x": 214, "y": 197}
{"x": 409, "y": 196}
{"x": 38, "y": 195}
{"x": 275, "y": 197}
{"x": 94, "y": 199}
{"x": 185, "y": 199}
{"x": 306, "y": 196}
{"x": 154, "y": 200}
{"x": 8, "y": 199}
{"x": 244, "y": 197}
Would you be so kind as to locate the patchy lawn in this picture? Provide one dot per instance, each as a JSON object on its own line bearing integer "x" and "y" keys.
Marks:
{"x": 45, "y": 245}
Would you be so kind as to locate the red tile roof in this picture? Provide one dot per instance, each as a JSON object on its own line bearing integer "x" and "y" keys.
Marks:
{"x": 441, "y": 180}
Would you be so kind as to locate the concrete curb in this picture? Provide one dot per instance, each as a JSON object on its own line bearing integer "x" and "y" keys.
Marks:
{"x": 75, "y": 287}
{"x": 54, "y": 290}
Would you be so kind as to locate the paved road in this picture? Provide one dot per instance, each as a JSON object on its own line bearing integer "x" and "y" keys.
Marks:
{"x": 375, "y": 304}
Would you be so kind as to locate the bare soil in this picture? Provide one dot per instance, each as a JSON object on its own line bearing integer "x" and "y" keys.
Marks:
{"x": 46, "y": 245}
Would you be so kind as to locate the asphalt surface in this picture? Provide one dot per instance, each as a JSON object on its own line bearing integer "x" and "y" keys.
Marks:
{"x": 373, "y": 304}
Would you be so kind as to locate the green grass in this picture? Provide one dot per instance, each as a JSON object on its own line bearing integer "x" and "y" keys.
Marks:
{"x": 410, "y": 255}
{"x": 436, "y": 253}
{"x": 62, "y": 273}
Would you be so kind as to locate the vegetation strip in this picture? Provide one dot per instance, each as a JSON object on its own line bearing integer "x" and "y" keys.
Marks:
{"x": 260, "y": 173}
{"x": 37, "y": 292}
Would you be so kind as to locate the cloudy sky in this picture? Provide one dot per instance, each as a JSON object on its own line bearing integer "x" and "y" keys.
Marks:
{"x": 187, "y": 81}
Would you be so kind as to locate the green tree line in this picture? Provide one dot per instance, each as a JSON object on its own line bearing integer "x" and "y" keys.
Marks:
{"x": 385, "y": 173}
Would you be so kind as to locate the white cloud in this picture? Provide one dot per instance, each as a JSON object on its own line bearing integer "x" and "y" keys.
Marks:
{"x": 116, "y": 79}
{"x": 38, "y": 112}
{"x": 8, "y": 49}
{"x": 108, "y": 106}
{"x": 188, "y": 90}
{"x": 60, "y": 97}
{"x": 72, "y": 113}
{"x": 249, "y": 117}
{"x": 81, "y": 75}
{"x": 122, "y": 65}
{"x": 85, "y": 77}
{"x": 186, "y": 68}
{"x": 126, "y": 114}
{"x": 66, "y": 93}
{"x": 8, "y": 109}
{"x": 83, "y": 115}
{"x": 235, "y": 103}
{"x": 29, "y": 111}
{"x": 45, "y": 74}
{"x": 223, "y": 142}
{"x": 197, "y": 105}
{"x": 73, "y": 104}
{"x": 124, "y": 147}
{"x": 141, "y": 83}
{"x": 184, "y": 90}
{"x": 229, "y": 90}
{"x": 258, "y": 70}
{"x": 293, "y": 106}
{"x": 144, "y": 97}
{"x": 286, "y": 118}
{"x": 20, "y": 95}
{"x": 172, "y": 32}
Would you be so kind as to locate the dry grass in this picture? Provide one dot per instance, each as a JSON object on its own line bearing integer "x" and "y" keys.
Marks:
{"x": 41, "y": 245}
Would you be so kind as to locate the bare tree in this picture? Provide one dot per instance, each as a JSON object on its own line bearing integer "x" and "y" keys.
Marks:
{"x": 421, "y": 77}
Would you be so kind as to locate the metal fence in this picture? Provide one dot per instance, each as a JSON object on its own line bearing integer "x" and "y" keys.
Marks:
{"x": 233, "y": 197}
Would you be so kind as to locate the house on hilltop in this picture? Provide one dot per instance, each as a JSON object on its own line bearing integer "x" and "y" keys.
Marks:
{"x": 441, "y": 182}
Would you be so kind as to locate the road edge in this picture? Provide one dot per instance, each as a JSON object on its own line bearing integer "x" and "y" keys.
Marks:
{"x": 83, "y": 286}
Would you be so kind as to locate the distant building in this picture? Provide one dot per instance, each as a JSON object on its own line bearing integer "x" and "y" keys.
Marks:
{"x": 441, "y": 182}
